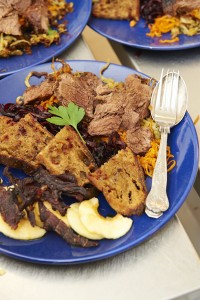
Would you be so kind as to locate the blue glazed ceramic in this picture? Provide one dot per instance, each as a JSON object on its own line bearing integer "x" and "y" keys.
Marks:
{"x": 51, "y": 249}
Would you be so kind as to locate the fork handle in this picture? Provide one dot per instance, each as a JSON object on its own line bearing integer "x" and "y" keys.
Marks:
{"x": 157, "y": 199}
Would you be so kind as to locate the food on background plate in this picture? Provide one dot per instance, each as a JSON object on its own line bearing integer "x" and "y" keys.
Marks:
{"x": 117, "y": 9}
{"x": 108, "y": 160}
{"x": 162, "y": 16}
{"x": 179, "y": 7}
{"x": 25, "y": 23}
{"x": 179, "y": 17}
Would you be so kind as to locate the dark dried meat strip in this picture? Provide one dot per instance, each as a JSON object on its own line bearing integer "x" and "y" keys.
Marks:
{"x": 65, "y": 183}
{"x": 51, "y": 222}
{"x": 9, "y": 209}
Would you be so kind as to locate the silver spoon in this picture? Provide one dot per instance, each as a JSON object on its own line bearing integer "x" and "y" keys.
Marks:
{"x": 169, "y": 103}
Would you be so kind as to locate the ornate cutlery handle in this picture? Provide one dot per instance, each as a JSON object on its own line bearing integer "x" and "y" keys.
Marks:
{"x": 157, "y": 200}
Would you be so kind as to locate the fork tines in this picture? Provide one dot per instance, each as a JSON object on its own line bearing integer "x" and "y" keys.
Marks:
{"x": 167, "y": 95}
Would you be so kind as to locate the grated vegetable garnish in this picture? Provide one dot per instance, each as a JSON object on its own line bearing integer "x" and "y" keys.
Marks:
{"x": 188, "y": 24}
{"x": 148, "y": 161}
{"x": 51, "y": 101}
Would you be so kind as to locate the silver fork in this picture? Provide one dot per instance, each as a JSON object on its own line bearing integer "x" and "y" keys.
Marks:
{"x": 164, "y": 112}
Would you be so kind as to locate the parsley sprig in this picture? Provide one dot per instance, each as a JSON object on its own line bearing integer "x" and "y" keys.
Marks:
{"x": 67, "y": 115}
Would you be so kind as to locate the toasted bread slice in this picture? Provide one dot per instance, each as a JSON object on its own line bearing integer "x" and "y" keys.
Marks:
{"x": 117, "y": 9}
{"x": 5, "y": 122}
{"x": 122, "y": 182}
{"x": 66, "y": 152}
{"x": 21, "y": 142}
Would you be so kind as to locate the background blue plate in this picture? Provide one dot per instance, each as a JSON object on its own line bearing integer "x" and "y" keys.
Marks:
{"x": 120, "y": 31}
{"x": 51, "y": 249}
{"x": 76, "y": 23}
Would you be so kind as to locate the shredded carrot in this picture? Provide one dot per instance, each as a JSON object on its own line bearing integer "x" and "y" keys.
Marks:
{"x": 176, "y": 39}
{"x": 196, "y": 120}
{"x": 148, "y": 161}
{"x": 132, "y": 23}
{"x": 162, "y": 25}
{"x": 122, "y": 134}
{"x": 48, "y": 102}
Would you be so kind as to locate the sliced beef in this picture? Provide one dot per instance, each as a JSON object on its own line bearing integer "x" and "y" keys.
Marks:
{"x": 10, "y": 24}
{"x": 78, "y": 89}
{"x": 103, "y": 89}
{"x": 121, "y": 106}
{"x": 9, "y": 209}
{"x": 5, "y": 8}
{"x": 34, "y": 11}
{"x": 178, "y": 7}
{"x": 108, "y": 111}
{"x": 19, "y": 5}
{"x": 51, "y": 222}
{"x": 39, "y": 92}
{"x": 105, "y": 125}
{"x": 37, "y": 15}
{"x": 139, "y": 140}
{"x": 130, "y": 119}
{"x": 138, "y": 95}
{"x": 113, "y": 104}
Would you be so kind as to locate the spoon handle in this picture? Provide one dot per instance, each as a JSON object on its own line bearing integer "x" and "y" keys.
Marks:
{"x": 157, "y": 200}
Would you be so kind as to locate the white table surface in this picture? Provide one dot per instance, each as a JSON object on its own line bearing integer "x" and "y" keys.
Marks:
{"x": 164, "y": 267}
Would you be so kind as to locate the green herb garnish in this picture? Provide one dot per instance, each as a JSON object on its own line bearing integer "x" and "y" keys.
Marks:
{"x": 67, "y": 115}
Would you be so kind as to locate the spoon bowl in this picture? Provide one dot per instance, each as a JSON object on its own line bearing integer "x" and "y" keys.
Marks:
{"x": 182, "y": 96}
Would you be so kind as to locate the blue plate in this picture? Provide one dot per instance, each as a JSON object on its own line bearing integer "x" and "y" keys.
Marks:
{"x": 77, "y": 20}
{"x": 120, "y": 31}
{"x": 51, "y": 249}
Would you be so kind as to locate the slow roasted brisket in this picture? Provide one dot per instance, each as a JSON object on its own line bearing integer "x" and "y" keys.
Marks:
{"x": 40, "y": 92}
{"x": 139, "y": 140}
{"x": 33, "y": 11}
{"x": 10, "y": 24}
{"x": 79, "y": 89}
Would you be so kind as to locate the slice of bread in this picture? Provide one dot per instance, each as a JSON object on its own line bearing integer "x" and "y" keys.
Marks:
{"x": 21, "y": 142}
{"x": 122, "y": 182}
{"x": 5, "y": 122}
{"x": 117, "y": 9}
{"x": 66, "y": 152}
